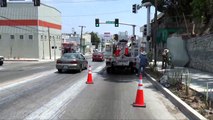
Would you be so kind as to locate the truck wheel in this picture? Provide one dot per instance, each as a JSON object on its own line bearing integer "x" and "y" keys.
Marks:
{"x": 108, "y": 70}
{"x": 132, "y": 69}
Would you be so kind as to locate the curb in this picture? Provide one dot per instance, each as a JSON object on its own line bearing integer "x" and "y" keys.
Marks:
{"x": 182, "y": 106}
{"x": 22, "y": 60}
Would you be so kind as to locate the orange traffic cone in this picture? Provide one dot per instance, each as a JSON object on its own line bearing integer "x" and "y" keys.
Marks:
{"x": 89, "y": 78}
{"x": 139, "y": 102}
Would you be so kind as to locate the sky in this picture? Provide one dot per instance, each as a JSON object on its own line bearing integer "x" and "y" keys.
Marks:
{"x": 77, "y": 13}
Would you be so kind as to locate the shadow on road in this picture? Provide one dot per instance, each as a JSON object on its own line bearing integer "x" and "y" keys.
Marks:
{"x": 68, "y": 72}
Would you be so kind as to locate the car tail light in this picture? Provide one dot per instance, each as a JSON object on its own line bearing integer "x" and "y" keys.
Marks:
{"x": 73, "y": 62}
{"x": 58, "y": 61}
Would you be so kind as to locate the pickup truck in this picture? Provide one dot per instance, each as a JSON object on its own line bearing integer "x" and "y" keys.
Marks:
{"x": 1, "y": 60}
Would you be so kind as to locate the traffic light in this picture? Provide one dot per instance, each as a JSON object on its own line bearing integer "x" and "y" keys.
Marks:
{"x": 3, "y": 3}
{"x": 36, "y": 2}
{"x": 116, "y": 22}
{"x": 134, "y": 8}
{"x": 115, "y": 37}
{"x": 148, "y": 38}
{"x": 96, "y": 22}
{"x": 144, "y": 30}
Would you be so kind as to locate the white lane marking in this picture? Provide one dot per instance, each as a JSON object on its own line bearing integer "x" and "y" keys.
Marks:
{"x": 23, "y": 80}
{"x": 32, "y": 68}
{"x": 56, "y": 106}
{"x": 99, "y": 68}
{"x": 1, "y": 68}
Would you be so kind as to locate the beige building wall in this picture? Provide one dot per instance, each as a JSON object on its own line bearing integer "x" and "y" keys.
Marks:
{"x": 18, "y": 40}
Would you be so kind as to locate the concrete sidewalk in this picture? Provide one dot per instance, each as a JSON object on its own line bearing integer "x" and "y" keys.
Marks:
{"x": 200, "y": 80}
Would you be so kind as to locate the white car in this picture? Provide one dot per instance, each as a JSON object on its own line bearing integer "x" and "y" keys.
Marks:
{"x": 1, "y": 60}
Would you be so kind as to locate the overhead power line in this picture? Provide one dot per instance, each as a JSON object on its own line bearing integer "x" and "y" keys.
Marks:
{"x": 85, "y": 1}
{"x": 100, "y": 14}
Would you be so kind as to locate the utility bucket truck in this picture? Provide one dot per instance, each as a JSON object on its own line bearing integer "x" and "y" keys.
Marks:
{"x": 121, "y": 56}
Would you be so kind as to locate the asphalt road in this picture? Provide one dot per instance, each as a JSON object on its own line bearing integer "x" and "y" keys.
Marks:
{"x": 40, "y": 92}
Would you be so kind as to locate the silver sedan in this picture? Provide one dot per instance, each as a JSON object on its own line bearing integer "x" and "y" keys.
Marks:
{"x": 71, "y": 61}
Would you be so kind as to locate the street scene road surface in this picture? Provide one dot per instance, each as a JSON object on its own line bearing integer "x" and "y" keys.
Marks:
{"x": 67, "y": 96}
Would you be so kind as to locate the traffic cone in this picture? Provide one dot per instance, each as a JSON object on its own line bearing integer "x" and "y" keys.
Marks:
{"x": 89, "y": 77}
{"x": 139, "y": 102}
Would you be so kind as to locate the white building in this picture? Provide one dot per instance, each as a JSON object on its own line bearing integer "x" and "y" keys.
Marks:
{"x": 27, "y": 31}
{"x": 67, "y": 37}
{"x": 87, "y": 42}
{"x": 123, "y": 35}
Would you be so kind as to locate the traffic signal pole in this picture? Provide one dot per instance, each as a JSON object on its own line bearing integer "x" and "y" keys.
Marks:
{"x": 148, "y": 19}
{"x": 155, "y": 35}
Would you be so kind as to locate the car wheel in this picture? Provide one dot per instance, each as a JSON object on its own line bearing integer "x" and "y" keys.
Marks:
{"x": 85, "y": 67}
{"x": 80, "y": 68}
{"x": 1, "y": 63}
{"x": 60, "y": 70}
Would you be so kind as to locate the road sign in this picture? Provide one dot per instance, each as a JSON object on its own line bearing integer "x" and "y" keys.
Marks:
{"x": 110, "y": 22}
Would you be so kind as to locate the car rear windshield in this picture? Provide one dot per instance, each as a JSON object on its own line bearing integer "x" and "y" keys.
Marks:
{"x": 69, "y": 56}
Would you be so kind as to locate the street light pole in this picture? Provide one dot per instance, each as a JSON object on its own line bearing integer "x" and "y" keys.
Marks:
{"x": 155, "y": 35}
{"x": 81, "y": 39}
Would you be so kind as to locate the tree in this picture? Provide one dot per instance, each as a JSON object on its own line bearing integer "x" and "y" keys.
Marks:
{"x": 172, "y": 7}
{"x": 199, "y": 8}
{"x": 200, "y": 11}
{"x": 95, "y": 39}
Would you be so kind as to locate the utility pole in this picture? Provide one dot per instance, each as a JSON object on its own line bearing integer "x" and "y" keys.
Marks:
{"x": 43, "y": 46}
{"x": 54, "y": 48}
{"x": 133, "y": 28}
{"x": 155, "y": 35}
{"x": 81, "y": 40}
{"x": 49, "y": 42}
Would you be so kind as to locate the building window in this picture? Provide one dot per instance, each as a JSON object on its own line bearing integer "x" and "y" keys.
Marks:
{"x": 31, "y": 37}
{"x": 41, "y": 36}
{"x": 21, "y": 36}
{"x": 0, "y": 36}
{"x": 12, "y": 37}
{"x": 45, "y": 37}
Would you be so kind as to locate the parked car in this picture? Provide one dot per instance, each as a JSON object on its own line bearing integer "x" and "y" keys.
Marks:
{"x": 98, "y": 56}
{"x": 71, "y": 61}
{"x": 1, "y": 60}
